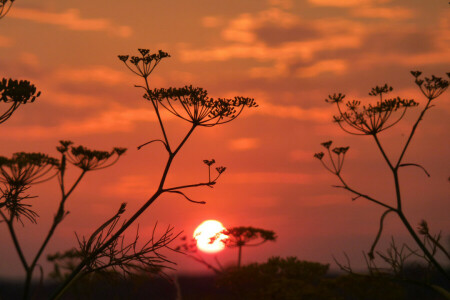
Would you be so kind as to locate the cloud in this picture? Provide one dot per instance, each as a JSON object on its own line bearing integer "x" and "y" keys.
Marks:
{"x": 286, "y": 4}
{"x": 5, "y": 41}
{"x": 242, "y": 28}
{"x": 97, "y": 74}
{"x": 270, "y": 177}
{"x": 301, "y": 155}
{"x": 117, "y": 119}
{"x": 29, "y": 59}
{"x": 394, "y": 13}
{"x": 342, "y": 3}
{"x": 211, "y": 21}
{"x": 294, "y": 112}
{"x": 283, "y": 39}
{"x": 130, "y": 186}
{"x": 71, "y": 19}
{"x": 336, "y": 66}
{"x": 243, "y": 144}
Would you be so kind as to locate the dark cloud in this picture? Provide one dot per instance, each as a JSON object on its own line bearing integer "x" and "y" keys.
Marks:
{"x": 392, "y": 41}
{"x": 274, "y": 36}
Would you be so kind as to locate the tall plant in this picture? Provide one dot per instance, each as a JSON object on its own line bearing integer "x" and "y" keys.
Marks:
{"x": 371, "y": 120}
{"x": 23, "y": 170}
{"x": 190, "y": 104}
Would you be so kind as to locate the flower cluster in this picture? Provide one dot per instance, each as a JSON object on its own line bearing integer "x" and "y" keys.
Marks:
{"x": 336, "y": 163}
{"x": 24, "y": 169}
{"x": 219, "y": 170}
{"x": 370, "y": 119}
{"x": 15, "y": 93}
{"x": 193, "y": 104}
{"x": 87, "y": 159}
{"x": 144, "y": 64}
{"x": 17, "y": 174}
{"x": 431, "y": 87}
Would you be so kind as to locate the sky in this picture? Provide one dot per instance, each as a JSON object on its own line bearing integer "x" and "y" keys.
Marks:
{"x": 288, "y": 55}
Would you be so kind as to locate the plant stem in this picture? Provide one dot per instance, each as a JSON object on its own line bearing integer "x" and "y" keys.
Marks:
{"x": 70, "y": 279}
{"x": 422, "y": 246}
{"x": 239, "y": 255}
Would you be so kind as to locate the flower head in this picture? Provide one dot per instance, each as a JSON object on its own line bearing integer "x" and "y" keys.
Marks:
{"x": 431, "y": 87}
{"x": 24, "y": 169}
{"x": 89, "y": 160}
{"x": 372, "y": 118}
{"x": 209, "y": 162}
{"x": 327, "y": 144}
{"x": 15, "y": 93}
{"x": 144, "y": 64}
{"x": 195, "y": 106}
{"x": 319, "y": 155}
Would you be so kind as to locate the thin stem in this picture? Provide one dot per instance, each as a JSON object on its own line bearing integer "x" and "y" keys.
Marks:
{"x": 188, "y": 186}
{"x": 382, "y": 151}
{"x": 161, "y": 125}
{"x": 413, "y": 130}
{"x": 239, "y": 255}
{"x": 56, "y": 220}
{"x": 15, "y": 240}
{"x": 70, "y": 279}
{"x": 345, "y": 186}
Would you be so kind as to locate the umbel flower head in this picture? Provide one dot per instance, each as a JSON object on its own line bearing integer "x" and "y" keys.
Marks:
{"x": 17, "y": 174}
{"x": 87, "y": 159}
{"x": 144, "y": 64}
{"x": 336, "y": 162}
{"x": 14, "y": 93}
{"x": 431, "y": 87}
{"x": 24, "y": 169}
{"x": 369, "y": 120}
{"x": 193, "y": 104}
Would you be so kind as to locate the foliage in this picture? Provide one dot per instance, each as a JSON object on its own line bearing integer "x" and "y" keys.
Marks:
{"x": 242, "y": 236}
{"x": 278, "y": 278}
{"x": 371, "y": 120}
{"x": 290, "y": 278}
{"x": 121, "y": 257}
{"x": 189, "y": 248}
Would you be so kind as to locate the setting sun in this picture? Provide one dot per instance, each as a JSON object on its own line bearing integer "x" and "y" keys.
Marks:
{"x": 205, "y": 231}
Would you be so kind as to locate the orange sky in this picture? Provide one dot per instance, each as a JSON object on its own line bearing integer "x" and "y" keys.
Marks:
{"x": 288, "y": 55}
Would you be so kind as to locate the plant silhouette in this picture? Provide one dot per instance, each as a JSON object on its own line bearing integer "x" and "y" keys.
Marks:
{"x": 371, "y": 120}
{"x": 190, "y": 104}
{"x": 14, "y": 93}
{"x": 237, "y": 237}
{"x": 22, "y": 170}
{"x": 245, "y": 236}
{"x": 5, "y": 6}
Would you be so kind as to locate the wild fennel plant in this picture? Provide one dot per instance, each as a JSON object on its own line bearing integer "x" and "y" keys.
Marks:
{"x": 371, "y": 120}
{"x": 190, "y": 104}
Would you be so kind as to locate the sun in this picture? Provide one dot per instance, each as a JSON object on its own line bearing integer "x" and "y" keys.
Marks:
{"x": 205, "y": 232}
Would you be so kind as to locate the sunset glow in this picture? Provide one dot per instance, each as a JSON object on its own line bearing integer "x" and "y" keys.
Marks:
{"x": 207, "y": 230}
{"x": 287, "y": 55}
